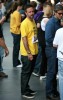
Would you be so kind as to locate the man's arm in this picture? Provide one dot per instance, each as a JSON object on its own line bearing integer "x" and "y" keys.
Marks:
{"x": 49, "y": 32}
{"x": 2, "y": 20}
{"x": 25, "y": 42}
{"x": 2, "y": 43}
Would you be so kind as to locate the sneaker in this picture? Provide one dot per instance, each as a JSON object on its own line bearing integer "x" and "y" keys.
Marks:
{"x": 35, "y": 74}
{"x": 3, "y": 75}
{"x": 31, "y": 91}
{"x": 28, "y": 95}
{"x": 56, "y": 94}
{"x": 51, "y": 97}
{"x": 42, "y": 77}
{"x": 19, "y": 66}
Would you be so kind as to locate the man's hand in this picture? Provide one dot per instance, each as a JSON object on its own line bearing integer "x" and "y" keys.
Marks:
{"x": 38, "y": 25}
{"x": 6, "y": 52}
{"x": 30, "y": 57}
{"x": 2, "y": 20}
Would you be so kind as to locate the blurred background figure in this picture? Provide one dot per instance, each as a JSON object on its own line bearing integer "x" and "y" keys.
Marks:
{"x": 52, "y": 65}
{"x": 15, "y": 21}
{"x": 41, "y": 64}
{"x": 2, "y": 19}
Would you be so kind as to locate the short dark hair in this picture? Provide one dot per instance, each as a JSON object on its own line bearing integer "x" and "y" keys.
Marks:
{"x": 33, "y": 3}
{"x": 58, "y": 7}
{"x": 27, "y": 6}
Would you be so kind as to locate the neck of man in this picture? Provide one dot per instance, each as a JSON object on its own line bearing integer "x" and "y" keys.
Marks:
{"x": 31, "y": 19}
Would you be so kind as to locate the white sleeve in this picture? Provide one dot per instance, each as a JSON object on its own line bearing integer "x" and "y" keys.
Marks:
{"x": 43, "y": 23}
{"x": 55, "y": 41}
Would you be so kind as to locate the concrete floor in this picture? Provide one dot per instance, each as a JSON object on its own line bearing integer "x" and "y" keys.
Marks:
{"x": 10, "y": 87}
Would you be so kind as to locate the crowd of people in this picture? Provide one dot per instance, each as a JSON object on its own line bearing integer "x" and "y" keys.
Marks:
{"x": 36, "y": 29}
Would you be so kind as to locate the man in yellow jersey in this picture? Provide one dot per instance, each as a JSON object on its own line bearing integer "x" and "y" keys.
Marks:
{"x": 28, "y": 50}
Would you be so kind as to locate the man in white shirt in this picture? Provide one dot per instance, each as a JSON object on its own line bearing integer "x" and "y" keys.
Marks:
{"x": 58, "y": 42}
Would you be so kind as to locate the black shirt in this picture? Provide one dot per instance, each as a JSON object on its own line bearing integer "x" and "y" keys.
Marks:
{"x": 41, "y": 33}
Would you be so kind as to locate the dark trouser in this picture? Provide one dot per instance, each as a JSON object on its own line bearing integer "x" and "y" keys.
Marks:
{"x": 16, "y": 48}
{"x": 27, "y": 69}
{"x": 51, "y": 82}
{"x": 43, "y": 68}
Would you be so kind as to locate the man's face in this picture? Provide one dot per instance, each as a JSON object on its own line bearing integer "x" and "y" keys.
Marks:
{"x": 59, "y": 14}
{"x": 30, "y": 12}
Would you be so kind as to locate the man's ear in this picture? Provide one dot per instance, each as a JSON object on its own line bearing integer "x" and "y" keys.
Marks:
{"x": 26, "y": 13}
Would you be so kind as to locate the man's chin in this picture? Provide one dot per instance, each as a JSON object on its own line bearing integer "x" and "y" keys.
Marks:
{"x": 32, "y": 17}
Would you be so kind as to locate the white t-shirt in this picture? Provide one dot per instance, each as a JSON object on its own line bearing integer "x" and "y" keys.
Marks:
{"x": 58, "y": 40}
{"x": 43, "y": 23}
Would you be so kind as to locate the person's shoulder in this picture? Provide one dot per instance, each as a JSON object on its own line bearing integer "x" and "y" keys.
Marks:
{"x": 16, "y": 12}
{"x": 60, "y": 30}
{"x": 24, "y": 22}
{"x": 38, "y": 16}
{"x": 45, "y": 19}
{"x": 51, "y": 21}
{"x": 59, "y": 33}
